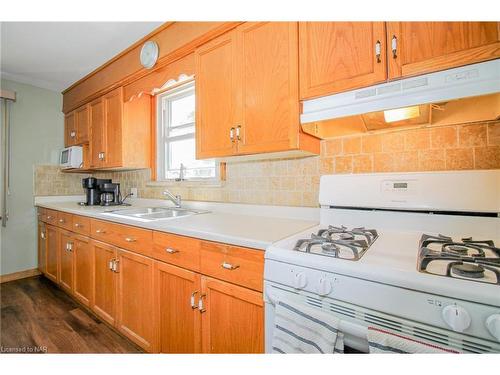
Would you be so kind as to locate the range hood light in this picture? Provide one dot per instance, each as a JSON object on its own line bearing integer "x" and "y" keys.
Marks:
{"x": 400, "y": 114}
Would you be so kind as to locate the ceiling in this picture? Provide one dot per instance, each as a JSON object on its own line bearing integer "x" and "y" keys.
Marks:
{"x": 54, "y": 55}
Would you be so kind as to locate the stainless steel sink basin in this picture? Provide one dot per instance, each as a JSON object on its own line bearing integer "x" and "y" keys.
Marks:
{"x": 153, "y": 213}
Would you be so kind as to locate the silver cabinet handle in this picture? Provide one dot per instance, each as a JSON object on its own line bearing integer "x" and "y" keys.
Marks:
{"x": 78, "y": 225}
{"x": 231, "y": 134}
{"x": 229, "y": 266}
{"x": 115, "y": 266}
{"x": 61, "y": 221}
{"x": 238, "y": 132}
{"x": 72, "y": 134}
{"x": 110, "y": 265}
{"x": 100, "y": 231}
{"x": 171, "y": 251}
{"x": 69, "y": 246}
{"x": 378, "y": 51}
{"x": 130, "y": 239}
{"x": 49, "y": 217}
{"x": 201, "y": 306}
{"x": 103, "y": 156}
{"x": 193, "y": 304}
{"x": 42, "y": 235}
{"x": 394, "y": 46}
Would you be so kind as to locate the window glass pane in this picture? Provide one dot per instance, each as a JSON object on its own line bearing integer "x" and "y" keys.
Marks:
{"x": 181, "y": 130}
{"x": 182, "y": 110}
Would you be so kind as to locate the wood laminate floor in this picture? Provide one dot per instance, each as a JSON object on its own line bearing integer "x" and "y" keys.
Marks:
{"x": 38, "y": 317}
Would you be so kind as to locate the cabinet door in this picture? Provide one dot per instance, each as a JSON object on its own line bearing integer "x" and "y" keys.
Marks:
{"x": 97, "y": 144}
{"x": 177, "y": 319}
{"x": 233, "y": 320}
{"x": 66, "y": 260}
{"x": 69, "y": 129}
{"x": 52, "y": 253}
{"x": 135, "y": 298}
{"x": 268, "y": 79}
{"x": 423, "y": 47}
{"x": 113, "y": 109}
{"x": 42, "y": 247}
{"x": 215, "y": 96}
{"x": 83, "y": 271}
{"x": 340, "y": 56}
{"x": 104, "y": 281}
{"x": 82, "y": 124}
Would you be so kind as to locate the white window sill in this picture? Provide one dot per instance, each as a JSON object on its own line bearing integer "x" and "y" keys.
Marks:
{"x": 187, "y": 183}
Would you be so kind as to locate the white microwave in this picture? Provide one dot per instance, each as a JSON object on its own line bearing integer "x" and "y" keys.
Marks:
{"x": 71, "y": 157}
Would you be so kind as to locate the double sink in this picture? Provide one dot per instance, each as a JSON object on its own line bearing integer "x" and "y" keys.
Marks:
{"x": 153, "y": 213}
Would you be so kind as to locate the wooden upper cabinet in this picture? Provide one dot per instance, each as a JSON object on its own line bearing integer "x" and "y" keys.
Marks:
{"x": 268, "y": 80}
{"x": 120, "y": 133}
{"x": 135, "y": 298}
{"x": 82, "y": 124}
{"x": 97, "y": 137}
{"x": 247, "y": 92}
{"x": 69, "y": 130}
{"x": 423, "y": 47}
{"x": 216, "y": 96}
{"x": 233, "y": 320}
{"x": 340, "y": 56}
{"x": 177, "y": 321}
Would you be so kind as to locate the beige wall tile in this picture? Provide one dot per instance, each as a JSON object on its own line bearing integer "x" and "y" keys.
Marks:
{"x": 405, "y": 161}
{"x": 383, "y": 162}
{"x": 472, "y": 135}
{"x": 431, "y": 160}
{"x": 487, "y": 157}
{"x": 343, "y": 164}
{"x": 362, "y": 163}
{"x": 494, "y": 134}
{"x": 417, "y": 139}
{"x": 351, "y": 145}
{"x": 392, "y": 142}
{"x": 371, "y": 143}
{"x": 332, "y": 147}
{"x": 444, "y": 137}
{"x": 459, "y": 158}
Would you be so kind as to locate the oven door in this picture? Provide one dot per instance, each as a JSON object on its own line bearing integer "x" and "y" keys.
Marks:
{"x": 356, "y": 319}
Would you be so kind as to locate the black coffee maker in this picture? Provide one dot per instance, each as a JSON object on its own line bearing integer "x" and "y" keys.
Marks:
{"x": 91, "y": 185}
{"x": 110, "y": 194}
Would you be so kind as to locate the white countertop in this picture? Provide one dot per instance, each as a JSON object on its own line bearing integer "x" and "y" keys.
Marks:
{"x": 237, "y": 224}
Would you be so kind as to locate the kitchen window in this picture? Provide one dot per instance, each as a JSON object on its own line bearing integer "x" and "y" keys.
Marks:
{"x": 176, "y": 150}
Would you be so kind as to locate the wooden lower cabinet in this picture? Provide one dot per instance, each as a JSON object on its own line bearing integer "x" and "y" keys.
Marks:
{"x": 233, "y": 320}
{"x": 52, "y": 246}
{"x": 176, "y": 293}
{"x": 42, "y": 247}
{"x": 135, "y": 298}
{"x": 66, "y": 260}
{"x": 82, "y": 271}
{"x": 104, "y": 281}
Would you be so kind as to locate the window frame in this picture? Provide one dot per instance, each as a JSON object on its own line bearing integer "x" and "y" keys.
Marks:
{"x": 180, "y": 91}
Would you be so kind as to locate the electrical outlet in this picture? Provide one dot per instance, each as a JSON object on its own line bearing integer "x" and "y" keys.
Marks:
{"x": 133, "y": 191}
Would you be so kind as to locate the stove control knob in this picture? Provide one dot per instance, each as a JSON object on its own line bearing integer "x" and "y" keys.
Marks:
{"x": 299, "y": 280}
{"x": 493, "y": 325}
{"x": 456, "y": 317}
{"x": 324, "y": 287}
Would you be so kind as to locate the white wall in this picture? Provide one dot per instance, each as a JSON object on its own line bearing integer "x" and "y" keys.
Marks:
{"x": 36, "y": 124}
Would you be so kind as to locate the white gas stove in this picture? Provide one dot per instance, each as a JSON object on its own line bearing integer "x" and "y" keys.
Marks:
{"x": 413, "y": 253}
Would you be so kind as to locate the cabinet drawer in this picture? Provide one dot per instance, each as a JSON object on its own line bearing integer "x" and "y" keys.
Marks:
{"x": 81, "y": 225}
{"x": 178, "y": 250}
{"x": 49, "y": 216}
{"x": 64, "y": 220}
{"x": 124, "y": 236}
{"x": 237, "y": 265}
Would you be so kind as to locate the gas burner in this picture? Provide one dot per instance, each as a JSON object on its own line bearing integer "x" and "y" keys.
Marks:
{"x": 466, "y": 259}
{"x": 338, "y": 242}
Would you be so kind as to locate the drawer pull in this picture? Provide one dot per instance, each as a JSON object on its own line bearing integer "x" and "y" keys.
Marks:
{"x": 42, "y": 235}
{"x": 130, "y": 239}
{"x": 100, "y": 231}
{"x": 111, "y": 264}
{"x": 78, "y": 225}
{"x": 171, "y": 251}
{"x": 61, "y": 221}
{"x": 201, "y": 306}
{"x": 49, "y": 217}
{"x": 229, "y": 266}
{"x": 193, "y": 304}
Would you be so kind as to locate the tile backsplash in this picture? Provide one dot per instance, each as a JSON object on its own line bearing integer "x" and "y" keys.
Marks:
{"x": 295, "y": 182}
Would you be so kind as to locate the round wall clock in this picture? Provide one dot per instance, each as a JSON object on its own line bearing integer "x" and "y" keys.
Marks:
{"x": 149, "y": 54}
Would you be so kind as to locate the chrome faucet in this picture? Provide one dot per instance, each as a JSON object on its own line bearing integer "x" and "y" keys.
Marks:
{"x": 176, "y": 199}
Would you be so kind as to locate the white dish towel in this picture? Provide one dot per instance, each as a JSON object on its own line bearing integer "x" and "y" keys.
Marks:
{"x": 382, "y": 341}
{"x": 304, "y": 329}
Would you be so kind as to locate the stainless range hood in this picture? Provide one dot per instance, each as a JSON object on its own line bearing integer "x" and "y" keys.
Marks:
{"x": 459, "y": 95}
